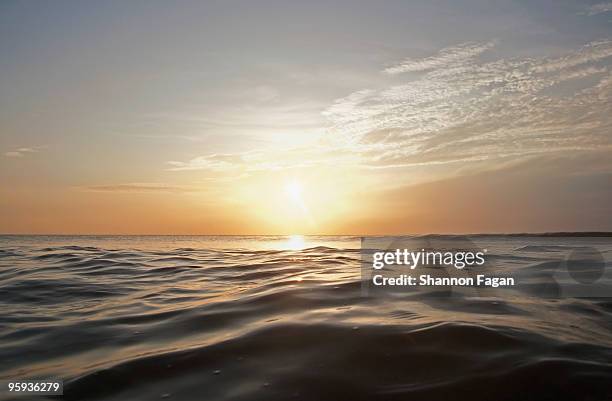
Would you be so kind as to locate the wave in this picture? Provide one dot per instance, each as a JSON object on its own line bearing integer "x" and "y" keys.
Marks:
{"x": 326, "y": 362}
{"x": 144, "y": 318}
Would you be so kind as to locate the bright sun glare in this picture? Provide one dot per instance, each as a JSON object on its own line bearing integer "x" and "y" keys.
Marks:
{"x": 295, "y": 242}
{"x": 293, "y": 189}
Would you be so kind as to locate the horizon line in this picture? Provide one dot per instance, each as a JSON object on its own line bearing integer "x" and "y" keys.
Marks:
{"x": 545, "y": 233}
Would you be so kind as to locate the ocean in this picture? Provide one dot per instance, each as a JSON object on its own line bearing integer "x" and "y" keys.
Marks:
{"x": 286, "y": 318}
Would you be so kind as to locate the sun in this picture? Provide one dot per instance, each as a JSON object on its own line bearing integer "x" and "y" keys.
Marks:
{"x": 294, "y": 190}
{"x": 296, "y": 202}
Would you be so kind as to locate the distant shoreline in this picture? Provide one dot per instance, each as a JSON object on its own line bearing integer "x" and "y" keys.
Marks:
{"x": 602, "y": 234}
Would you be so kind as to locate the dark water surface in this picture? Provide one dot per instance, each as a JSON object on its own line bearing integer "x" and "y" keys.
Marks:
{"x": 267, "y": 318}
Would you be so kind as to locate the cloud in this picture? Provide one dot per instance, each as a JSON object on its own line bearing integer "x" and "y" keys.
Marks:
{"x": 590, "y": 53}
{"x": 263, "y": 93}
{"x": 599, "y": 8}
{"x": 445, "y": 57}
{"x": 20, "y": 152}
{"x": 213, "y": 162}
{"x": 267, "y": 160}
{"x": 462, "y": 109}
{"x": 139, "y": 188}
{"x": 459, "y": 112}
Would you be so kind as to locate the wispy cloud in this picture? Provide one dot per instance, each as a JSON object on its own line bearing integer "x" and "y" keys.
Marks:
{"x": 445, "y": 57}
{"x": 267, "y": 160}
{"x": 20, "y": 152}
{"x": 213, "y": 162}
{"x": 598, "y": 8}
{"x": 459, "y": 110}
{"x": 464, "y": 109}
{"x": 139, "y": 188}
{"x": 590, "y": 53}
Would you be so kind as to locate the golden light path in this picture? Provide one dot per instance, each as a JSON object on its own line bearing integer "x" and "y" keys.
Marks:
{"x": 295, "y": 242}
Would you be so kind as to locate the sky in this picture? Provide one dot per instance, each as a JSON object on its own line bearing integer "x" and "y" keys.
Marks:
{"x": 294, "y": 117}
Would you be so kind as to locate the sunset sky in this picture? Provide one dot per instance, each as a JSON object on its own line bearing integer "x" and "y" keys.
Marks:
{"x": 305, "y": 117}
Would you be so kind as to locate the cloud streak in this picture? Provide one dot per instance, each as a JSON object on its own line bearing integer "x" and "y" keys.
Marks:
{"x": 463, "y": 109}
{"x": 139, "y": 188}
{"x": 599, "y": 8}
{"x": 275, "y": 159}
{"x": 21, "y": 152}
{"x": 446, "y": 57}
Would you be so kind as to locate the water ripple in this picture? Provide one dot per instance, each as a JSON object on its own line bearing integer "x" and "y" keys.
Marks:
{"x": 141, "y": 318}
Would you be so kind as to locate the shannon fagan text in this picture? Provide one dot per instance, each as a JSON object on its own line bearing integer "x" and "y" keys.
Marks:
{"x": 412, "y": 259}
{"x": 426, "y": 280}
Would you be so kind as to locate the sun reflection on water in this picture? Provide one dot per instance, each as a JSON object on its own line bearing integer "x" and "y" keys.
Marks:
{"x": 295, "y": 242}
